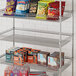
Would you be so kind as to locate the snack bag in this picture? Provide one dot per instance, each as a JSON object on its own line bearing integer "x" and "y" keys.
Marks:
{"x": 42, "y": 10}
{"x": 10, "y": 7}
{"x": 21, "y": 8}
{"x": 53, "y": 10}
{"x": 33, "y": 9}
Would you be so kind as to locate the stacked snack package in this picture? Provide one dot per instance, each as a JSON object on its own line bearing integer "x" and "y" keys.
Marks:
{"x": 22, "y": 8}
{"x": 20, "y": 56}
{"x": 53, "y": 10}
{"x": 10, "y": 7}
{"x": 17, "y": 71}
{"x": 22, "y": 71}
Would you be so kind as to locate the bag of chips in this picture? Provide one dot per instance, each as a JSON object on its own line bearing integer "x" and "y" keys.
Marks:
{"x": 10, "y": 7}
{"x": 21, "y": 8}
{"x": 53, "y": 10}
{"x": 33, "y": 9}
{"x": 42, "y": 10}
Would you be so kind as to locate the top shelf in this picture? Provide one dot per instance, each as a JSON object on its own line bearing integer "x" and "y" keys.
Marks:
{"x": 67, "y": 15}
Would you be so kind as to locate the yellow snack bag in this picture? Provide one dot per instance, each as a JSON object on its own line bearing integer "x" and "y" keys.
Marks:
{"x": 42, "y": 10}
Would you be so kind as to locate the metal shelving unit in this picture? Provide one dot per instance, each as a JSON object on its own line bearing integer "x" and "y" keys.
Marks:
{"x": 56, "y": 42}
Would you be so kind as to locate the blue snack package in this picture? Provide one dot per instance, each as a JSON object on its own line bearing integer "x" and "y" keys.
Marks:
{"x": 21, "y": 8}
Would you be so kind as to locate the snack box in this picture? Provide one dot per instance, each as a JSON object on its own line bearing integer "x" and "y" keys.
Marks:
{"x": 30, "y": 59}
{"x": 10, "y": 54}
{"x": 27, "y": 49}
{"x": 32, "y": 51}
{"x": 35, "y": 55}
{"x": 53, "y": 10}
{"x": 43, "y": 58}
{"x": 18, "y": 58}
{"x": 25, "y": 53}
{"x": 15, "y": 72}
{"x": 24, "y": 71}
{"x": 7, "y": 72}
{"x": 54, "y": 60}
{"x": 39, "y": 73}
{"x": 32, "y": 56}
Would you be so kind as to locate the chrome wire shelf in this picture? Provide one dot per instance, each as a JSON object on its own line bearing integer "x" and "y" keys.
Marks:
{"x": 42, "y": 41}
{"x": 67, "y": 15}
{"x": 36, "y": 40}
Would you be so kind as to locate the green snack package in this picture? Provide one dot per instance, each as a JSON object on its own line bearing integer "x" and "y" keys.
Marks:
{"x": 42, "y": 10}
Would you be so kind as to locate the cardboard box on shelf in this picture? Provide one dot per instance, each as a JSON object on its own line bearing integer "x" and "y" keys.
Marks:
{"x": 35, "y": 55}
{"x": 18, "y": 58}
{"x": 54, "y": 60}
{"x": 32, "y": 56}
{"x": 30, "y": 59}
{"x": 43, "y": 58}
{"x": 10, "y": 54}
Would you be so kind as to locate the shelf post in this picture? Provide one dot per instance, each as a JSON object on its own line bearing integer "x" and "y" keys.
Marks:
{"x": 13, "y": 31}
{"x": 60, "y": 35}
{"x": 72, "y": 37}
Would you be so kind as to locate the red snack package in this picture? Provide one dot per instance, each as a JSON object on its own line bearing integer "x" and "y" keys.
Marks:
{"x": 53, "y": 10}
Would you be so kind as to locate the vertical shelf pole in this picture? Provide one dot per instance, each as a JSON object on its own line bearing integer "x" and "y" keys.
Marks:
{"x": 60, "y": 36}
{"x": 13, "y": 31}
{"x": 72, "y": 37}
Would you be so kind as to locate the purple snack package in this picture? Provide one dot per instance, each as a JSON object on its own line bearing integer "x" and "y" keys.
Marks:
{"x": 10, "y": 7}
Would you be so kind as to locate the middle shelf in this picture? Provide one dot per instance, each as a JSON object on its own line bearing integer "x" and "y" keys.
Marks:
{"x": 36, "y": 40}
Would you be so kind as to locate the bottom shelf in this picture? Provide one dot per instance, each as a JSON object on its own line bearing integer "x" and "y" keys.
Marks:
{"x": 36, "y": 67}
